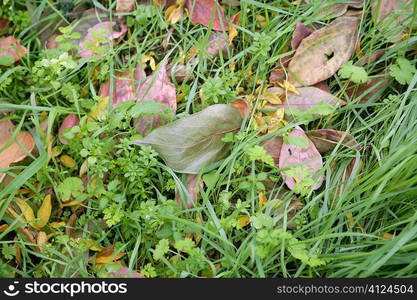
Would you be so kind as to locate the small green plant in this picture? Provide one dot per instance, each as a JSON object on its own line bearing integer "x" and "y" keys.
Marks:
{"x": 353, "y": 73}
{"x": 403, "y": 70}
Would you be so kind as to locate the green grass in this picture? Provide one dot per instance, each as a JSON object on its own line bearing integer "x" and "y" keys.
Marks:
{"x": 381, "y": 196}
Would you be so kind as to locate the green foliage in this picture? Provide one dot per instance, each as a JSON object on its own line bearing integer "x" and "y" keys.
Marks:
{"x": 161, "y": 249}
{"x": 353, "y": 73}
{"x": 258, "y": 153}
{"x": 70, "y": 187}
{"x": 298, "y": 141}
{"x": 217, "y": 90}
{"x": 403, "y": 70}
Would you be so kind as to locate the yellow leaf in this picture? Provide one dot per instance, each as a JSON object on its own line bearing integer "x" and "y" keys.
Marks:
{"x": 56, "y": 151}
{"x": 83, "y": 168}
{"x": 67, "y": 161}
{"x": 232, "y": 33}
{"x": 26, "y": 210}
{"x": 70, "y": 203}
{"x": 262, "y": 198}
{"x": 148, "y": 58}
{"x": 57, "y": 224}
{"x": 107, "y": 255}
{"x": 174, "y": 13}
{"x": 99, "y": 109}
{"x": 242, "y": 221}
{"x": 288, "y": 87}
{"x": 3, "y": 227}
{"x": 44, "y": 212}
{"x": 41, "y": 239}
{"x": 387, "y": 236}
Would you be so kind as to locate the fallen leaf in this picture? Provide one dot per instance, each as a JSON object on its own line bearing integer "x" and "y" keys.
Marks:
{"x": 195, "y": 141}
{"x": 3, "y": 227}
{"x": 241, "y": 105}
{"x": 207, "y": 12}
{"x": 3, "y": 25}
{"x": 107, "y": 255}
{"x": 70, "y": 121}
{"x": 333, "y": 10}
{"x": 158, "y": 88}
{"x": 91, "y": 45}
{"x": 16, "y": 150}
{"x": 41, "y": 239}
{"x": 273, "y": 148}
{"x": 326, "y": 140}
{"x": 125, "y": 5}
{"x": 125, "y": 272}
{"x": 301, "y": 32}
{"x": 309, "y": 157}
{"x": 322, "y": 53}
{"x": 385, "y": 8}
{"x": 67, "y": 161}
{"x": 293, "y": 208}
{"x": 124, "y": 89}
{"x": 193, "y": 189}
{"x": 310, "y": 104}
{"x": 11, "y": 50}
{"x": 44, "y": 212}
{"x": 26, "y": 210}
{"x": 242, "y": 221}
{"x": 373, "y": 88}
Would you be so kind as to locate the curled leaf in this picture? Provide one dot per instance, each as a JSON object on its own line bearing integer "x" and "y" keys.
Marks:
{"x": 326, "y": 139}
{"x": 306, "y": 158}
{"x": 193, "y": 142}
{"x": 321, "y": 54}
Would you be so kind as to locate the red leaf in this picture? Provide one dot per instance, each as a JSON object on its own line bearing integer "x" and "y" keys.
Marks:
{"x": 11, "y": 46}
{"x": 109, "y": 33}
{"x": 327, "y": 139}
{"x": 207, "y": 12}
{"x": 309, "y": 158}
{"x": 69, "y": 122}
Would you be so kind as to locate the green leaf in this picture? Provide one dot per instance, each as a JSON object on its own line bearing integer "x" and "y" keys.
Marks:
{"x": 299, "y": 141}
{"x": 403, "y": 71}
{"x": 71, "y": 186}
{"x": 161, "y": 249}
{"x": 353, "y": 73}
{"x": 6, "y": 60}
{"x": 191, "y": 143}
{"x": 259, "y": 153}
{"x": 211, "y": 178}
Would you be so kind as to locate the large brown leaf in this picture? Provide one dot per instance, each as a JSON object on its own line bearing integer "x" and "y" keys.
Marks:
{"x": 207, "y": 12}
{"x": 326, "y": 139}
{"x": 309, "y": 157}
{"x": 321, "y": 54}
{"x": 385, "y": 8}
{"x": 13, "y": 151}
{"x": 193, "y": 142}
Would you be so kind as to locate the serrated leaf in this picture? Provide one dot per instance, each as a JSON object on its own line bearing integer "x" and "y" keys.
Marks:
{"x": 321, "y": 54}
{"x": 353, "y": 73}
{"x": 403, "y": 71}
{"x": 191, "y": 143}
